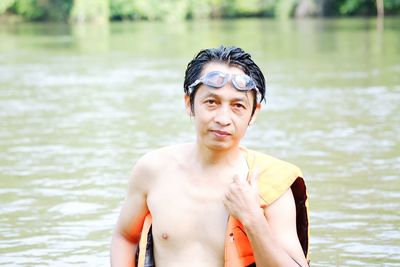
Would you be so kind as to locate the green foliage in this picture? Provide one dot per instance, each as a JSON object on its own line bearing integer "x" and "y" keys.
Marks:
{"x": 172, "y": 10}
{"x": 123, "y": 9}
{"x": 247, "y": 8}
{"x": 162, "y": 10}
{"x": 392, "y": 6}
{"x": 29, "y": 9}
{"x": 54, "y": 10}
{"x": 149, "y": 10}
{"x": 229, "y": 8}
{"x": 58, "y": 10}
{"x": 6, "y": 4}
{"x": 358, "y": 7}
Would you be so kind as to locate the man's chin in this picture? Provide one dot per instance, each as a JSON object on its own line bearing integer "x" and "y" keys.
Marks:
{"x": 220, "y": 146}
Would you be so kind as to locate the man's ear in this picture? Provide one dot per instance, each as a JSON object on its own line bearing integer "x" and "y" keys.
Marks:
{"x": 187, "y": 105}
{"x": 253, "y": 118}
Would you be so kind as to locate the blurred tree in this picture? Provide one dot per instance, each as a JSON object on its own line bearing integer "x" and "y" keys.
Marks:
{"x": 306, "y": 8}
{"x": 96, "y": 11}
{"x": 284, "y": 8}
{"x": 380, "y": 8}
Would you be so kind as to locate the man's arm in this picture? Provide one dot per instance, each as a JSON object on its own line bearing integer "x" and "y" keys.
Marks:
{"x": 129, "y": 226}
{"x": 272, "y": 230}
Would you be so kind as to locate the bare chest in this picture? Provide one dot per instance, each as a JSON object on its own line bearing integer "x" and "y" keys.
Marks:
{"x": 187, "y": 214}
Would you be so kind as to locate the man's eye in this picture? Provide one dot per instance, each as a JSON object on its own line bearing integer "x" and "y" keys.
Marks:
{"x": 239, "y": 106}
{"x": 210, "y": 101}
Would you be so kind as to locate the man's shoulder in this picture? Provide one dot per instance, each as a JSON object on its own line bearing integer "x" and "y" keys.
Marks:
{"x": 152, "y": 164}
{"x": 163, "y": 156}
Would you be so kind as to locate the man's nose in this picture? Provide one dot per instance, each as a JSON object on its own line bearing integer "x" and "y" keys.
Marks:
{"x": 223, "y": 116}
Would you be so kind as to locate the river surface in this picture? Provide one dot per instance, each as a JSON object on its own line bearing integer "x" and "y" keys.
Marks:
{"x": 79, "y": 105}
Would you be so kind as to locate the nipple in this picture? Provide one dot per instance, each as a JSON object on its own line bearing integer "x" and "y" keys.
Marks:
{"x": 164, "y": 236}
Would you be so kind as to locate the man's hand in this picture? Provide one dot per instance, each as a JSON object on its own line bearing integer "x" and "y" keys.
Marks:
{"x": 271, "y": 230}
{"x": 242, "y": 198}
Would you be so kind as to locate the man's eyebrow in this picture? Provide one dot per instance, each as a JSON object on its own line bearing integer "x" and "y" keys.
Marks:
{"x": 211, "y": 94}
{"x": 236, "y": 99}
{"x": 244, "y": 99}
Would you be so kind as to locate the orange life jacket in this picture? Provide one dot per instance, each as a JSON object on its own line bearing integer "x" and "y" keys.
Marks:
{"x": 275, "y": 178}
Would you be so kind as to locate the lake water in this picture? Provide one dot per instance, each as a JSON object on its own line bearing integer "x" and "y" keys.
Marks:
{"x": 79, "y": 105}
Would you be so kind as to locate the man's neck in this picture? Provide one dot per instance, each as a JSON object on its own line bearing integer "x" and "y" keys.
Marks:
{"x": 209, "y": 157}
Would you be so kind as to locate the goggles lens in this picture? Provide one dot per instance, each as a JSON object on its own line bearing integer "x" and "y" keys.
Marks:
{"x": 217, "y": 79}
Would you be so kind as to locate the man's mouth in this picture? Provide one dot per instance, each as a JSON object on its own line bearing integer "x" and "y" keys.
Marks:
{"x": 220, "y": 133}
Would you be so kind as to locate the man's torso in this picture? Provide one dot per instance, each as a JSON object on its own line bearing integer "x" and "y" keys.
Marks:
{"x": 189, "y": 217}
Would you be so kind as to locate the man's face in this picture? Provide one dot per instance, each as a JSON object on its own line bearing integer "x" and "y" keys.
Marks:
{"x": 221, "y": 115}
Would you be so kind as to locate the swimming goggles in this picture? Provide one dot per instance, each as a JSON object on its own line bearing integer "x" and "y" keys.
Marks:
{"x": 217, "y": 79}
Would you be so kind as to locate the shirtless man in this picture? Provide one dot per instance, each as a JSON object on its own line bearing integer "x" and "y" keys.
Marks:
{"x": 200, "y": 197}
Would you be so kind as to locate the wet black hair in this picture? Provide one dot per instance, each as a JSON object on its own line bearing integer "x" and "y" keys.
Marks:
{"x": 232, "y": 56}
